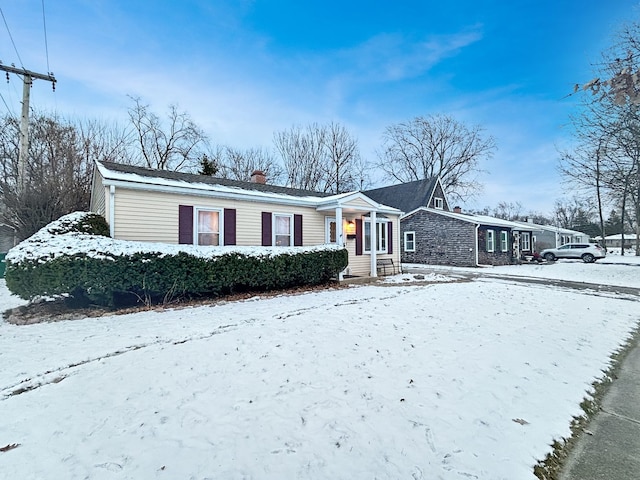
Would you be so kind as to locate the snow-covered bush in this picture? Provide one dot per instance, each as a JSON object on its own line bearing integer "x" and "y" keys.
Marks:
{"x": 71, "y": 256}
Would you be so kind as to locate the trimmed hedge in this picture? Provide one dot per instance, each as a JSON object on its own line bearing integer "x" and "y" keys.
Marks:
{"x": 66, "y": 260}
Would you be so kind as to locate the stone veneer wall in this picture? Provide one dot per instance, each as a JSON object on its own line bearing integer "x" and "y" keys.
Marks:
{"x": 497, "y": 257}
{"x": 440, "y": 240}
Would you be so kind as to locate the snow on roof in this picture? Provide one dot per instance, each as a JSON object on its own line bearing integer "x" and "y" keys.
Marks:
{"x": 166, "y": 180}
{"x": 475, "y": 219}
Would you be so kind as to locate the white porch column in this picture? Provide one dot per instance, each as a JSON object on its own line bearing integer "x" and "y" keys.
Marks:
{"x": 374, "y": 240}
{"x": 339, "y": 232}
{"x": 339, "y": 235}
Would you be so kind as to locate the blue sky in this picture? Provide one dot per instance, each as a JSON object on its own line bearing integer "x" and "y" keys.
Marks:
{"x": 245, "y": 69}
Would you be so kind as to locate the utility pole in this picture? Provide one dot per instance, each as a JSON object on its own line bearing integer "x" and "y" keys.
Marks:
{"x": 27, "y": 79}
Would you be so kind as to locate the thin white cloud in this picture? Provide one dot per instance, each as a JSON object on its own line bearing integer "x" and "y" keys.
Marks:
{"x": 394, "y": 57}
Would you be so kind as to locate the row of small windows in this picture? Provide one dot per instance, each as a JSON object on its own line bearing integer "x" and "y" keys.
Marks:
{"x": 208, "y": 230}
{"x": 209, "y": 223}
{"x": 525, "y": 241}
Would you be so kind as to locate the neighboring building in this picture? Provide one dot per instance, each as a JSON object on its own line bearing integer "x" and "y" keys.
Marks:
{"x": 172, "y": 207}
{"x": 548, "y": 236}
{"x": 615, "y": 241}
{"x": 436, "y": 237}
{"x": 432, "y": 234}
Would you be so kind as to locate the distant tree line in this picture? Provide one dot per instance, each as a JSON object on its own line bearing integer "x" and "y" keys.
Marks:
{"x": 604, "y": 165}
{"x": 318, "y": 157}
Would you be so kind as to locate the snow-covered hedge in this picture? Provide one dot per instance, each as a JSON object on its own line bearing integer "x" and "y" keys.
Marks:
{"x": 72, "y": 256}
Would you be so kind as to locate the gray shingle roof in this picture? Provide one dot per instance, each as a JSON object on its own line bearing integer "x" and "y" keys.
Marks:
{"x": 405, "y": 196}
{"x": 196, "y": 178}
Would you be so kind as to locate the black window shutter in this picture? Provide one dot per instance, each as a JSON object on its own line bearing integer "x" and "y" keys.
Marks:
{"x": 390, "y": 237}
{"x": 185, "y": 224}
{"x": 266, "y": 229}
{"x": 297, "y": 230}
{"x": 229, "y": 226}
{"x": 358, "y": 236}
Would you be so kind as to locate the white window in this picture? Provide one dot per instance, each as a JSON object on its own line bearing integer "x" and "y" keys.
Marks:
{"x": 380, "y": 236}
{"x": 491, "y": 241}
{"x": 525, "y": 239}
{"x": 282, "y": 230}
{"x": 504, "y": 241}
{"x": 409, "y": 241}
{"x": 438, "y": 203}
{"x": 208, "y": 228}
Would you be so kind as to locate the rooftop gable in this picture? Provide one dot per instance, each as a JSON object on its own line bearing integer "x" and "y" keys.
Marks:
{"x": 406, "y": 196}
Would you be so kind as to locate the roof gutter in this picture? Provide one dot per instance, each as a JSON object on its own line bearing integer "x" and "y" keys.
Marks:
{"x": 477, "y": 245}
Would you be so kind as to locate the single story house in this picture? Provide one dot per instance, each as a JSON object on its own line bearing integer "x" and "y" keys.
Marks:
{"x": 181, "y": 208}
{"x": 432, "y": 234}
{"x": 548, "y": 236}
{"x": 615, "y": 241}
{"x": 438, "y": 237}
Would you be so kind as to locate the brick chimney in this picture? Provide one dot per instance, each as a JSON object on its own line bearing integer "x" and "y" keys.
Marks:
{"x": 457, "y": 209}
{"x": 258, "y": 176}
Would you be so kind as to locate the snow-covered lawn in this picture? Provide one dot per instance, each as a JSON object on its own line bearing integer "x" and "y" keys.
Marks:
{"x": 456, "y": 379}
{"x": 612, "y": 270}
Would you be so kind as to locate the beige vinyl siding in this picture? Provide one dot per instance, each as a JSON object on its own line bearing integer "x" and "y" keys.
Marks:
{"x": 153, "y": 217}
{"x": 98, "y": 195}
{"x": 360, "y": 265}
{"x": 357, "y": 202}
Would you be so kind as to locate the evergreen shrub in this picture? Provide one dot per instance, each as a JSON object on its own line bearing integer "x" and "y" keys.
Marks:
{"x": 72, "y": 257}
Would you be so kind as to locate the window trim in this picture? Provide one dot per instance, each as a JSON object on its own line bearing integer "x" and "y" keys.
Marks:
{"x": 504, "y": 241}
{"x": 491, "y": 241}
{"x": 275, "y": 234}
{"x": 438, "y": 203}
{"x": 525, "y": 237}
{"x": 413, "y": 241}
{"x": 196, "y": 232}
{"x": 383, "y": 232}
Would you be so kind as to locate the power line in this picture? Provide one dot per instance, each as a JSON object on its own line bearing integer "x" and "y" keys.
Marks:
{"x": 11, "y": 37}
{"x": 46, "y": 43}
{"x": 8, "y": 109}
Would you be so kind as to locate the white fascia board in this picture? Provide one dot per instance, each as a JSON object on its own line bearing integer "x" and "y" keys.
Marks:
{"x": 341, "y": 200}
{"x": 138, "y": 182}
{"x": 444, "y": 194}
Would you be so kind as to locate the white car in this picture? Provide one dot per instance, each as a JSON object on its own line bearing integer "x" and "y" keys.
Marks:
{"x": 588, "y": 252}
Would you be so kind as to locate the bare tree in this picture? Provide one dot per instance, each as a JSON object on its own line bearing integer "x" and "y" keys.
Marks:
{"x": 425, "y": 147}
{"x": 619, "y": 76}
{"x": 342, "y": 159}
{"x": 174, "y": 144}
{"x": 323, "y": 158}
{"x": 302, "y": 154}
{"x": 58, "y": 173}
{"x": 575, "y": 213}
{"x": 508, "y": 210}
{"x": 608, "y": 130}
{"x": 239, "y": 164}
